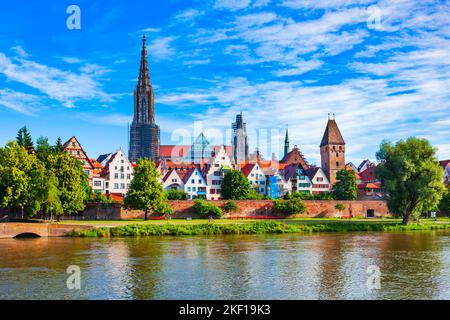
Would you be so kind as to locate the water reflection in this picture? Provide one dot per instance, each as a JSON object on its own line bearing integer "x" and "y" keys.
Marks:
{"x": 327, "y": 266}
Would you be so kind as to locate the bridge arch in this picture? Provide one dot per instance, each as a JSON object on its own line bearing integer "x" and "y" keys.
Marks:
{"x": 27, "y": 235}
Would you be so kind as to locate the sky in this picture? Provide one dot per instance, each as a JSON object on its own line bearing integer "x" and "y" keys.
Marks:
{"x": 382, "y": 67}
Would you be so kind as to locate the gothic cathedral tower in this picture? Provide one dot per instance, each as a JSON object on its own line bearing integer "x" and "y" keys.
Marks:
{"x": 332, "y": 150}
{"x": 144, "y": 133}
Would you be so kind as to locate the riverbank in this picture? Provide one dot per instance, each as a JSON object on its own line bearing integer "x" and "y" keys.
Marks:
{"x": 170, "y": 228}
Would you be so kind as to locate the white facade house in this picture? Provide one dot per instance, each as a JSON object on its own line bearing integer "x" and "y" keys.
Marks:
{"x": 118, "y": 173}
{"x": 172, "y": 181}
{"x": 319, "y": 180}
{"x": 220, "y": 164}
{"x": 296, "y": 179}
{"x": 255, "y": 177}
{"x": 98, "y": 184}
{"x": 195, "y": 184}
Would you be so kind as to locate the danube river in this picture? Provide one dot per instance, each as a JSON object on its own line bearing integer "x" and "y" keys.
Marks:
{"x": 412, "y": 265}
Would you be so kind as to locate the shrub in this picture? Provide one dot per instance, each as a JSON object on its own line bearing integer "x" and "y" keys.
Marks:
{"x": 231, "y": 206}
{"x": 291, "y": 206}
{"x": 339, "y": 206}
{"x": 164, "y": 209}
{"x": 206, "y": 209}
{"x": 176, "y": 195}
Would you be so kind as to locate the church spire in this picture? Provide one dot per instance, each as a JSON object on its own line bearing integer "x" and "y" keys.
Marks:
{"x": 286, "y": 143}
{"x": 144, "y": 75}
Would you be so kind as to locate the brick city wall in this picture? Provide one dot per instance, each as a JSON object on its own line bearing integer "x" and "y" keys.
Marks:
{"x": 251, "y": 208}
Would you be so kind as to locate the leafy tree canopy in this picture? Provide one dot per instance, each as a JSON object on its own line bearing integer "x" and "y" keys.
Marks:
{"x": 345, "y": 188}
{"x": 235, "y": 186}
{"x": 146, "y": 193}
{"x": 411, "y": 177}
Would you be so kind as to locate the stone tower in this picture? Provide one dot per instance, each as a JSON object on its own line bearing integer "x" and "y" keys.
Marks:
{"x": 332, "y": 150}
{"x": 144, "y": 132}
{"x": 286, "y": 144}
{"x": 240, "y": 140}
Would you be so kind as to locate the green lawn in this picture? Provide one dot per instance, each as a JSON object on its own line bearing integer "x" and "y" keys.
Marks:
{"x": 113, "y": 223}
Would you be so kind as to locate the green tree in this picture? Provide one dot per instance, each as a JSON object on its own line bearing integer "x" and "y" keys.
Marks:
{"x": 340, "y": 207}
{"x": 58, "y": 147}
{"x": 24, "y": 139}
{"x": 411, "y": 177}
{"x": 145, "y": 192}
{"x": 235, "y": 186}
{"x": 445, "y": 202}
{"x": 51, "y": 201}
{"x": 206, "y": 209}
{"x": 345, "y": 188}
{"x": 176, "y": 195}
{"x": 231, "y": 206}
{"x": 22, "y": 178}
{"x": 43, "y": 148}
{"x": 72, "y": 182}
{"x": 291, "y": 206}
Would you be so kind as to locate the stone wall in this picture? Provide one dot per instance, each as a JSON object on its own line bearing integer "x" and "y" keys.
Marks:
{"x": 252, "y": 208}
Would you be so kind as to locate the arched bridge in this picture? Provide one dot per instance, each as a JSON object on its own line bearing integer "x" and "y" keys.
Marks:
{"x": 13, "y": 230}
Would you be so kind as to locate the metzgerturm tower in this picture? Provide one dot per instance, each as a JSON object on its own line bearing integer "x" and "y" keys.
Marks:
{"x": 332, "y": 150}
{"x": 144, "y": 133}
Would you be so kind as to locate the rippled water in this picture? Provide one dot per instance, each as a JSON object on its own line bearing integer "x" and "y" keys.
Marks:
{"x": 326, "y": 266}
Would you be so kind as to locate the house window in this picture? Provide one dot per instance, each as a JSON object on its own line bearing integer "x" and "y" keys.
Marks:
{"x": 122, "y": 176}
{"x": 74, "y": 144}
{"x": 70, "y": 152}
{"x": 97, "y": 183}
{"x": 116, "y": 176}
{"x": 337, "y": 154}
{"x": 192, "y": 181}
{"x": 199, "y": 181}
{"x": 122, "y": 186}
{"x": 188, "y": 189}
{"x": 128, "y": 176}
{"x": 194, "y": 189}
{"x": 337, "y": 163}
{"x": 78, "y": 152}
{"x": 116, "y": 186}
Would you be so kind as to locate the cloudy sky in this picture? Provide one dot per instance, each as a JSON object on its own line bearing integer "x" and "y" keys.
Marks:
{"x": 383, "y": 68}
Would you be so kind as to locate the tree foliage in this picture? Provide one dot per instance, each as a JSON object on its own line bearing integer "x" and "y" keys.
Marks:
{"x": 291, "y": 206}
{"x": 24, "y": 139}
{"x": 235, "y": 186}
{"x": 176, "y": 195}
{"x": 231, "y": 206}
{"x": 411, "y": 177}
{"x": 72, "y": 182}
{"x": 145, "y": 192}
{"x": 345, "y": 187}
{"x": 445, "y": 202}
{"x": 206, "y": 209}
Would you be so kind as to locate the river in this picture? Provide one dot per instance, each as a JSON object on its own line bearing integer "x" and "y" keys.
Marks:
{"x": 413, "y": 265}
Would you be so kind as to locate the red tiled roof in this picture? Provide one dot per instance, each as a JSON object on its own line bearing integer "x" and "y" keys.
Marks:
{"x": 369, "y": 185}
{"x": 368, "y": 175}
{"x": 247, "y": 169}
{"x": 169, "y": 151}
{"x": 116, "y": 197}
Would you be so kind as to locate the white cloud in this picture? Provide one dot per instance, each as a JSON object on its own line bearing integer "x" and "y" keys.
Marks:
{"x": 161, "y": 48}
{"x": 71, "y": 60}
{"x": 300, "y": 68}
{"x": 20, "y": 51}
{"x": 232, "y": 5}
{"x": 64, "y": 86}
{"x": 21, "y": 102}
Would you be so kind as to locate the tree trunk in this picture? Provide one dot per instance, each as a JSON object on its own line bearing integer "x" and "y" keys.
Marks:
{"x": 406, "y": 217}
{"x": 146, "y": 215}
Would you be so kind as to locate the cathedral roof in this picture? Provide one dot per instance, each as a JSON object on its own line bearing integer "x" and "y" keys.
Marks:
{"x": 332, "y": 134}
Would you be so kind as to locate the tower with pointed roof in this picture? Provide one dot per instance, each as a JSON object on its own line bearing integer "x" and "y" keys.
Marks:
{"x": 240, "y": 140}
{"x": 286, "y": 143}
{"x": 332, "y": 150}
{"x": 144, "y": 132}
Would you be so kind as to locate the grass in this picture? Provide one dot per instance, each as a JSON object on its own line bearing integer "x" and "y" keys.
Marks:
{"x": 265, "y": 227}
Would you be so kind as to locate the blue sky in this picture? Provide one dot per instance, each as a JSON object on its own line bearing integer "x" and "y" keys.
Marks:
{"x": 383, "y": 67}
